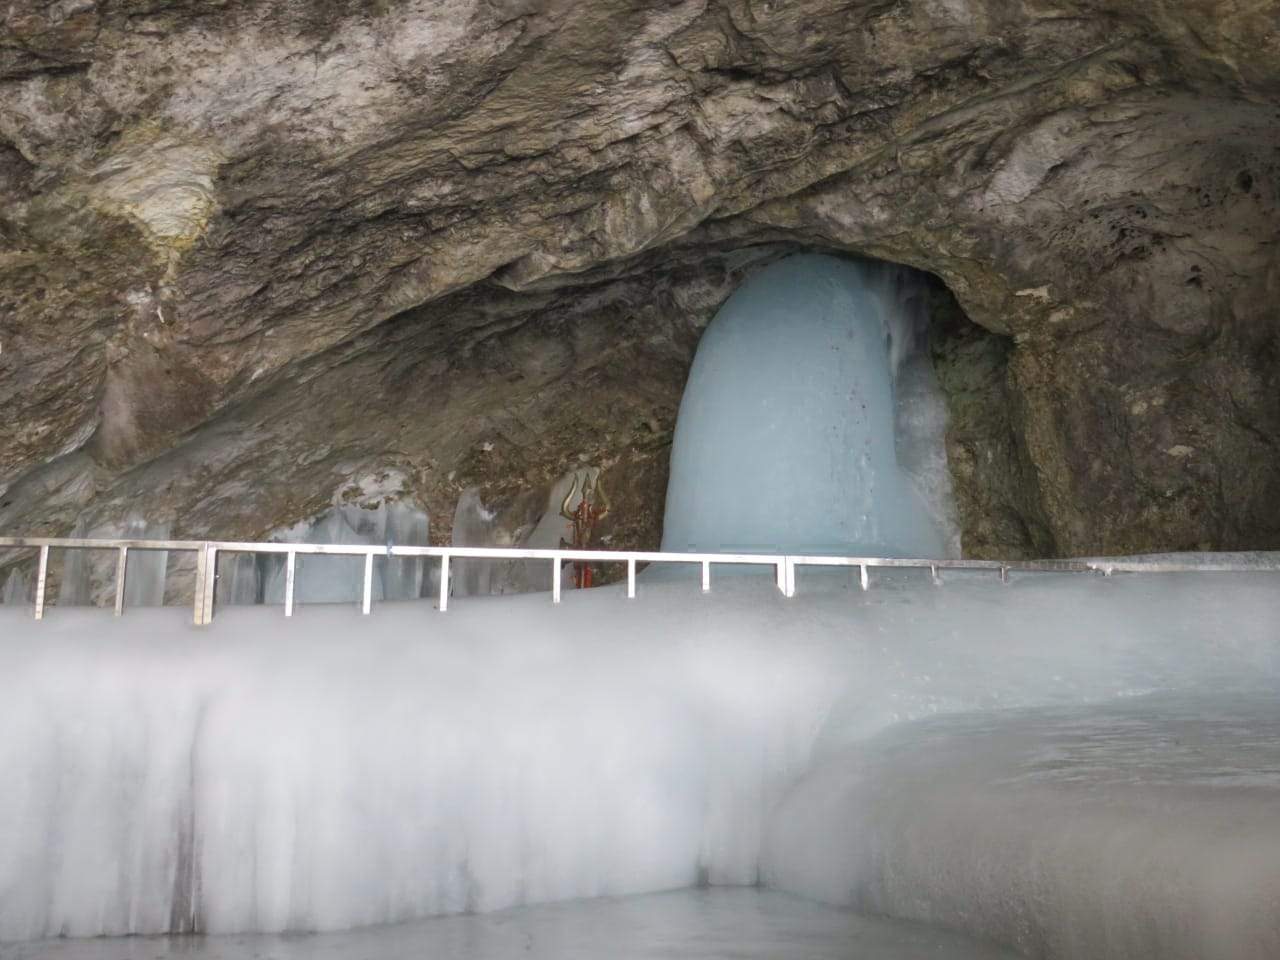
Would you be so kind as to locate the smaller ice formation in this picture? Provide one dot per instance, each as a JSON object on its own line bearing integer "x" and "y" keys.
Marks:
{"x": 145, "y": 575}
{"x": 370, "y": 510}
{"x": 17, "y": 587}
{"x": 88, "y": 577}
{"x": 474, "y": 525}
{"x": 326, "y": 579}
{"x": 920, "y": 428}
{"x": 786, "y": 438}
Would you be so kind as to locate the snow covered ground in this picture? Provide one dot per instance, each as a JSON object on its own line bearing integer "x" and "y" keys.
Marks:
{"x": 333, "y": 770}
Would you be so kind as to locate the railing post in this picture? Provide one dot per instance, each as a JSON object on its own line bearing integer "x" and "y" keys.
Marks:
{"x": 290, "y": 567}
{"x": 631, "y": 578}
{"x": 1004, "y": 574}
{"x": 555, "y": 579}
{"x": 781, "y": 576}
{"x": 706, "y": 576}
{"x": 368, "y": 583}
{"x": 122, "y": 568}
{"x": 791, "y": 577}
{"x": 444, "y": 582}
{"x": 862, "y": 576}
{"x": 198, "y": 607}
{"x": 933, "y": 572}
{"x": 210, "y": 580}
{"x": 42, "y": 573}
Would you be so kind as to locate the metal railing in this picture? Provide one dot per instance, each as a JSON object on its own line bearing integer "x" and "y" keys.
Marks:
{"x": 784, "y": 565}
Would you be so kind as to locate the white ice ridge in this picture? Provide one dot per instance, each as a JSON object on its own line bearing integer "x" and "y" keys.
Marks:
{"x": 335, "y": 770}
{"x": 811, "y": 421}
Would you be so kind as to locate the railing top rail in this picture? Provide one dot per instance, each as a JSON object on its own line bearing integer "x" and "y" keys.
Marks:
{"x": 1040, "y": 566}
{"x": 340, "y": 549}
{"x": 642, "y": 556}
{"x": 479, "y": 553}
{"x": 1182, "y": 566}
{"x": 91, "y": 543}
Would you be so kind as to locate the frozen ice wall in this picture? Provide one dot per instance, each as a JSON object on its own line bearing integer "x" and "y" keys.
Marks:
{"x": 334, "y": 770}
{"x": 786, "y": 435}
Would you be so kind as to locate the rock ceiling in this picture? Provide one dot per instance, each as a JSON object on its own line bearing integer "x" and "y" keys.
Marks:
{"x": 253, "y": 251}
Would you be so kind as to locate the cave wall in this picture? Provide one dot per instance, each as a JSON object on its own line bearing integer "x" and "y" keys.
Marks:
{"x": 252, "y": 251}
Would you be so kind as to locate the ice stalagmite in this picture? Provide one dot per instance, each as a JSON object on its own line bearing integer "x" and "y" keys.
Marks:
{"x": 785, "y": 438}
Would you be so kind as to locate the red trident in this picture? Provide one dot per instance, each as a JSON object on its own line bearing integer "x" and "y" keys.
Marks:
{"x": 582, "y": 522}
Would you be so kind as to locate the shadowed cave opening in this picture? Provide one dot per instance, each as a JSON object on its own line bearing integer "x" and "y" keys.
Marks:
{"x": 953, "y": 429}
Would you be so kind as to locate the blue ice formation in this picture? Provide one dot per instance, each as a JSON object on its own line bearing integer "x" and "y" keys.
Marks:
{"x": 785, "y": 440}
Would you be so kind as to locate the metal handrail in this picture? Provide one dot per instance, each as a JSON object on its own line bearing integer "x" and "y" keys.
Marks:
{"x": 784, "y": 565}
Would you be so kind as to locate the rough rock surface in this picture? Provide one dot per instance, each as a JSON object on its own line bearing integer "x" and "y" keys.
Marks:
{"x": 251, "y": 250}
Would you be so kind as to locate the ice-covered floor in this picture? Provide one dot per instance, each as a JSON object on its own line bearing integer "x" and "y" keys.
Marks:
{"x": 715, "y": 924}
{"x": 333, "y": 771}
{"x": 1148, "y": 826}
